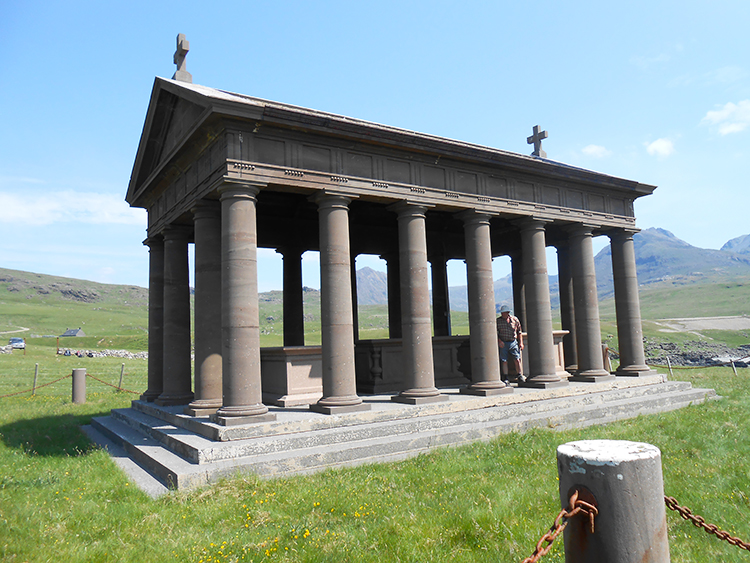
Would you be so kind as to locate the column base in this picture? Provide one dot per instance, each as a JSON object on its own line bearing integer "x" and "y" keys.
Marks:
{"x": 417, "y": 400}
{"x": 203, "y": 407}
{"x": 173, "y": 400}
{"x": 635, "y": 371}
{"x": 339, "y": 409}
{"x": 487, "y": 390}
{"x": 192, "y": 411}
{"x": 534, "y": 383}
{"x": 241, "y": 420}
{"x": 149, "y": 396}
{"x": 583, "y": 378}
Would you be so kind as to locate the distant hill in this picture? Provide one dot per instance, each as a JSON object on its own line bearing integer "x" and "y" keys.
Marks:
{"x": 662, "y": 257}
{"x": 33, "y": 286}
{"x": 372, "y": 287}
{"x": 741, "y": 245}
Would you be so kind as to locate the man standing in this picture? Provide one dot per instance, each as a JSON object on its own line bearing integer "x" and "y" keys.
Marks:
{"x": 510, "y": 341}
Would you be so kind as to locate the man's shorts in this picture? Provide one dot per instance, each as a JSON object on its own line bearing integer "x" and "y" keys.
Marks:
{"x": 510, "y": 348}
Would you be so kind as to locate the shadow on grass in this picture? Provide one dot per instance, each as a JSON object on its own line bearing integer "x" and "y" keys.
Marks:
{"x": 50, "y": 435}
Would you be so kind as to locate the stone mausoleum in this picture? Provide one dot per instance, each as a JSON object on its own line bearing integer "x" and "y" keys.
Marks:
{"x": 231, "y": 173}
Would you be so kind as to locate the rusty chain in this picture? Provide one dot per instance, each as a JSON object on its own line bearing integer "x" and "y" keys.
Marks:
{"x": 37, "y": 387}
{"x": 115, "y": 386}
{"x": 575, "y": 506}
{"x": 699, "y": 522}
{"x": 65, "y": 377}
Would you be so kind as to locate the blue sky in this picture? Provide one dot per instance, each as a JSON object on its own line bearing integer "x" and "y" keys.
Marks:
{"x": 657, "y": 92}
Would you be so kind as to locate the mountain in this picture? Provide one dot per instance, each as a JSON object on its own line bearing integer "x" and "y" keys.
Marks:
{"x": 372, "y": 287}
{"x": 660, "y": 257}
{"x": 741, "y": 245}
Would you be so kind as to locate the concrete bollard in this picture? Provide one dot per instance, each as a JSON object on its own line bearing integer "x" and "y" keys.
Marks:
{"x": 624, "y": 481}
{"x": 79, "y": 386}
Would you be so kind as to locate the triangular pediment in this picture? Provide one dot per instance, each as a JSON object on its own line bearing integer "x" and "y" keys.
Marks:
{"x": 172, "y": 114}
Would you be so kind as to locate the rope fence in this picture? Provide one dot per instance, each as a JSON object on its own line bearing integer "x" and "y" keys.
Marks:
{"x": 35, "y": 387}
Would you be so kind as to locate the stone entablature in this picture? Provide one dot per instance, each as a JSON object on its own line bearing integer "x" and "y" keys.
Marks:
{"x": 367, "y": 160}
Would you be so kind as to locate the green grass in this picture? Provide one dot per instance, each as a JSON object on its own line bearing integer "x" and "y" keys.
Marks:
{"x": 62, "y": 499}
{"x": 669, "y": 301}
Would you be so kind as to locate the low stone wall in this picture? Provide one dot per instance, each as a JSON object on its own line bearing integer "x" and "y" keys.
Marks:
{"x": 105, "y": 353}
{"x": 695, "y": 353}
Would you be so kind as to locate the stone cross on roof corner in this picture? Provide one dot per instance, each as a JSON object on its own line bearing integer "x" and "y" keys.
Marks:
{"x": 183, "y": 46}
{"x": 536, "y": 140}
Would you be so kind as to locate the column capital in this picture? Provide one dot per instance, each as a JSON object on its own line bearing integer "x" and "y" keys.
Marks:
{"x": 531, "y": 223}
{"x": 408, "y": 208}
{"x": 235, "y": 189}
{"x": 437, "y": 258}
{"x": 293, "y": 250}
{"x": 156, "y": 239}
{"x": 472, "y": 216}
{"x": 206, "y": 208}
{"x": 176, "y": 232}
{"x": 580, "y": 229}
{"x": 390, "y": 255}
{"x": 622, "y": 233}
{"x": 332, "y": 198}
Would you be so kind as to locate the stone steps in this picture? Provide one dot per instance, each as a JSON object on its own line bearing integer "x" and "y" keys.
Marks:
{"x": 167, "y": 446}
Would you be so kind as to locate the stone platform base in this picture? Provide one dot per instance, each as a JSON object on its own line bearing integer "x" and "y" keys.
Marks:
{"x": 161, "y": 447}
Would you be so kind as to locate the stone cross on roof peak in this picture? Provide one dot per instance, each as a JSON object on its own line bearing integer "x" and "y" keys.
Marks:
{"x": 183, "y": 46}
{"x": 536, "y": 140}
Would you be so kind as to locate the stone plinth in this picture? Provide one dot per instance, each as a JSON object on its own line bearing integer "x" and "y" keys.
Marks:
{"x": 557, "y": 339}
{"x": 292, "y": 375}
{"x": 380, "y": 368}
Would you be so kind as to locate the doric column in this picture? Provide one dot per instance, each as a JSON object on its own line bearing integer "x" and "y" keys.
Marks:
{"x": 393, "y": 274}
{"x": 588, "y": 329}
{"x": 176, "y": 360}
{"x": 485, "y": 357}
{"x": 416, "y": 329}
{"x": 567, "y": 308}
{"x": 294, "y": 312}
{"x": 207, "y": 309}
{"x": 540, "y": 343}
{"x": 155, "y": 318}
{"x": 355, "y": 298}
{"x": 239, "y": 308}
{"x": 519, "y": 291}
{"x": 337, "y": 324}
{"x": 627, "y": 305}
{"x": 441, "y": 311}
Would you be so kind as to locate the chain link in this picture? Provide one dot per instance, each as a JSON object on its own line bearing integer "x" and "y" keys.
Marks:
{"x": 699, "y": 522}
{"x": 575, "y": 506}
{"x": 115, "y": 386}
{"x": 37, "y": 387}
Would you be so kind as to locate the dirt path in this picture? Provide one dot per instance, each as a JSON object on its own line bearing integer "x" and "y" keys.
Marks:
{"x": 21, "y": 329}
{"x": 704, "y": 323}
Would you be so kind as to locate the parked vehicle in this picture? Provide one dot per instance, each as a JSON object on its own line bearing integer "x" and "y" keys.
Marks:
{"x": 17, "y": 343}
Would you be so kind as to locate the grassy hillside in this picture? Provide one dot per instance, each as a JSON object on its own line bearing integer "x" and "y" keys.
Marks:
{"x": 116, "y": 316}
{"x": 48, "y": 305}
{"x": 678, "y": 298}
